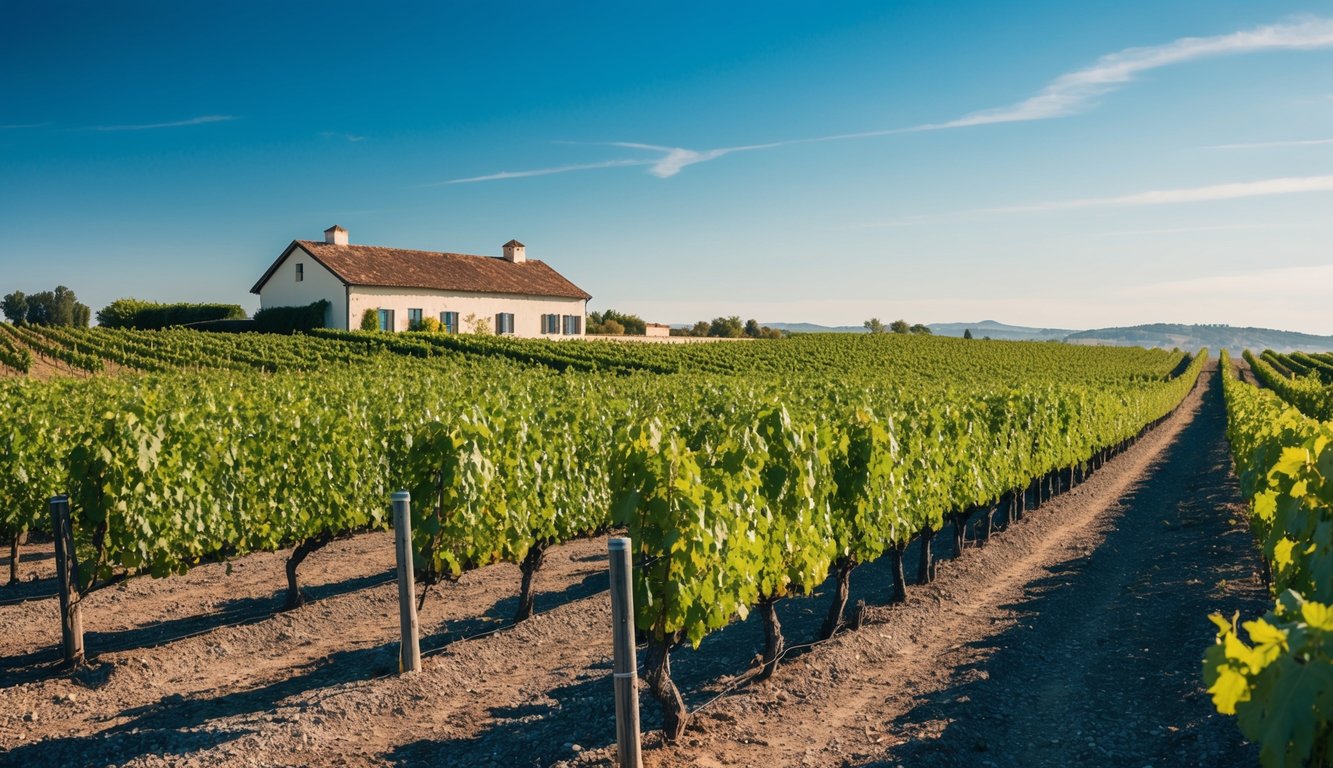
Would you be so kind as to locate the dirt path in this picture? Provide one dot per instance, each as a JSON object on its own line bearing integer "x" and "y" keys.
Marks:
{"x": 1039, "y": 635}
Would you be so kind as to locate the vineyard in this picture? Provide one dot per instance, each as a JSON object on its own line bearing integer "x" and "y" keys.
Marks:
{"x": 1278, "y": 683}
{"x": 751, "y": 478}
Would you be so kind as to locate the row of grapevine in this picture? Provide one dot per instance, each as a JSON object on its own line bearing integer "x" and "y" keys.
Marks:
{"x": 52, "y": 350}
{"x": 13, "y": 354}
{"x": 1277, "y": 683}
{"x": 739, "y": 489}
{"x": 758, "y": 499}
{"x": 1308, "y": 393}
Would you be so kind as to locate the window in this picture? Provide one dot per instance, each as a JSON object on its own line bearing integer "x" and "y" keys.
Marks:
{"x": 504, "y": 322}
{"x": 386, "y": 320}
{"x": 550, "y": 323}
{"x": 300, "y": 272}
{"x": 414, "y": 319}
{"x": 450, "y": 321}
{"x": 573, "y": 325}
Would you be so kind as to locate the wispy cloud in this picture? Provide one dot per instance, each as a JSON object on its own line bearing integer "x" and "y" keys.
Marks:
{"x": 350, "y": 137}
{"x": 1069, "y": 94}
{"x": 1074, "y": 92}
{"x": 13, "y": 126}
{"x": 1233, "y": 191}
{"x": 541, "y": 172}
{"x": 675, "y": 158}
{"x": 1273, "y": 144}
{"x": 1177, "y": 230}
{"x": 1311, "y": 281}
{"x": 201, "y": 120}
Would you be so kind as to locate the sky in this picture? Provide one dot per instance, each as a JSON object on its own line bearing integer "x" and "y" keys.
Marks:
{"x": 1053, "y": 164}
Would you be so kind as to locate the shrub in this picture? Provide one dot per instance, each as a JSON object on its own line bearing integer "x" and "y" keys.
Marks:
{"x": 370, "y": 320}
{"x": 151, "y": 315}
{"x": 292, "y": 319}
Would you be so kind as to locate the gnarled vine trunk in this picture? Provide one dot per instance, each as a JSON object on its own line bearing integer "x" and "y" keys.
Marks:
{"x": 773, "y": 641}
{"x": 843, "y": 570}
{"x": 295, "y": 598}
{"x": 959, "y": 520}
{"x": 925, "y": 570}
{"x": 14, "y": 558}
{"x": 530, "y": 565}
{"x": 899, "y": 576}
{"x": 657, "y": 673}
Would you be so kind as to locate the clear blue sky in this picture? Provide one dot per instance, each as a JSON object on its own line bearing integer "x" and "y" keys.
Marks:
{"x": 1045, "y": 163}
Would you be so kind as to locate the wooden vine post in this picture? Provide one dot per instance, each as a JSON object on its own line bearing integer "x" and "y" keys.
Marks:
{"x": 409, "y": 655}
{"x": 625, "y": 670}
{"x": 67, "y": 577}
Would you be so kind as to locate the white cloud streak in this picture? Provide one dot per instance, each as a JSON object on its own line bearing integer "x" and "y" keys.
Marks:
{"x": 1069, "y": 94}
{"x": 201, "y": 120}
{"x": 1273, "y": 144}
{"x": 1074, "y": 92}
{"x": 348, "y": 137}
{"x": 541, "y": 172}
{"x": 1295, "y": 282}
{"x": 1215, "y": 192}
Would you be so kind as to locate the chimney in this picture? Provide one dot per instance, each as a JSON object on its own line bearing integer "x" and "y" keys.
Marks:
{"x": 335, "y": 235}
{"x": 515, "y": 252}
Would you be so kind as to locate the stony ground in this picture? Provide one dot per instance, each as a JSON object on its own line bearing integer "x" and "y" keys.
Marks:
{"x": 1072, "y": 638}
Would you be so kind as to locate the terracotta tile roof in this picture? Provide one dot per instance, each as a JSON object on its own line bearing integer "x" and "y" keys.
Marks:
{"x": 369, "y": 265}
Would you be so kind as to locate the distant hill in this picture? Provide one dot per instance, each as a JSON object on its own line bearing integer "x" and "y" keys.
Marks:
{"x": 1164, "y": 335}
{"x": 999, "y": 331}
{"x": 812, "y": 328}
{"x": 1215, "y": 337}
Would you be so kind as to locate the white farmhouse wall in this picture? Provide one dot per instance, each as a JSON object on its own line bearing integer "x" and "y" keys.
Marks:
{"x": 527, "y": 310}
{"x": 283, "y": 290}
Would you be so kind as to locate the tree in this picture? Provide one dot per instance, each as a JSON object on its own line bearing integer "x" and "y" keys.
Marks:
{"x": 900, "y": 326}
{"x": 700, "y": 328}
{"x": 874, "y": 325}
{"x": 752, "y": 329}
{"x": 967, "y": 334}
{"x": 606, "y": 322}
{"x": 15, "y": 306}
{"x": 918, "y": 328}
{"x": 726, "y": 327}
{"x": 58, "y": 307}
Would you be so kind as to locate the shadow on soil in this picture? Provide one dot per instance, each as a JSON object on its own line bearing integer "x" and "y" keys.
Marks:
{"x": 42, "y": 663}
{"x": 161, "y": 727}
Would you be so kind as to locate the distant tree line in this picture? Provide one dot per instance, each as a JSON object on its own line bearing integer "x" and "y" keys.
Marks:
{"x": 729, "y": 328}
{"x": 58, "y": 307}
{"x": 874, "y": 325}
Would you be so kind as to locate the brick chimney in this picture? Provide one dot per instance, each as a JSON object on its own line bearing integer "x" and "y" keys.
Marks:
{"x": 335, "y": 235}
{"x": 515, "y": 252}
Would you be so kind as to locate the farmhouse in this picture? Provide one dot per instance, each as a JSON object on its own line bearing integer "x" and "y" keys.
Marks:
{"x": 509, "y": 294}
